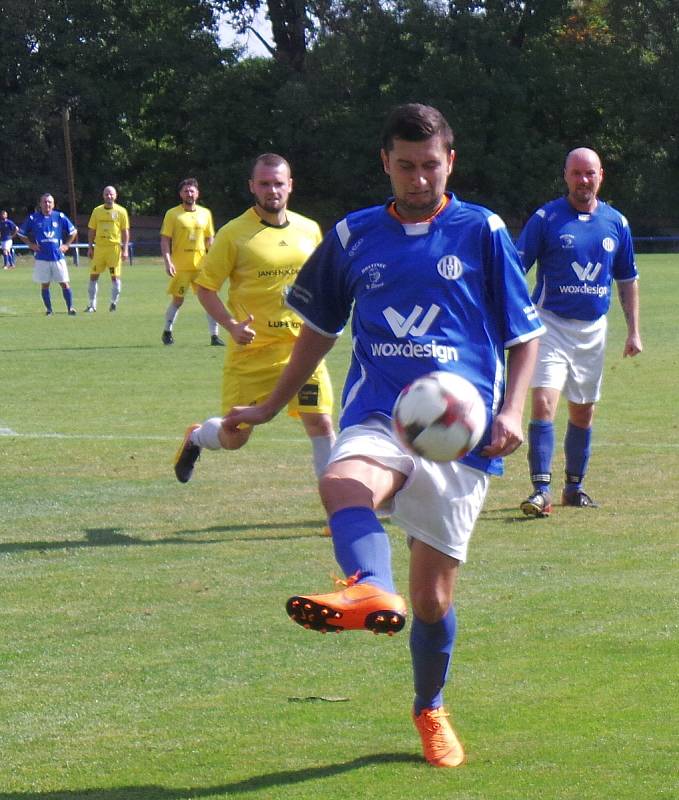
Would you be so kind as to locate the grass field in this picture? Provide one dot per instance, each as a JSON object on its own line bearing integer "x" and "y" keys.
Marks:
{"x": 144, "y": 650}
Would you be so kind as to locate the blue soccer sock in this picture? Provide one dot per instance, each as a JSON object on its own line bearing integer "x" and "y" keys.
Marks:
{"x": 577, "y": 448}
{"x": 68, "y": 296}
{"x": 540, "y": 453}
{"x": 431, "y": 650}
{"x": 362, "y": 545}
{"x": 46, "y": 298}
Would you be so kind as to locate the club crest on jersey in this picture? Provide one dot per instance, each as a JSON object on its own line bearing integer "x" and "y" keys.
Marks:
{"x": 567, "y": 241}
{"x": 373, "y": 275}
{"x": 608, "y": 244}
{"x": 450, "y": 268}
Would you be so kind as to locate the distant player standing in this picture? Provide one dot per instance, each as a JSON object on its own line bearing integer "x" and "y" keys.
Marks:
{"x": 260, "y": 254}
{"x": 49, "y": 233}
{"x": 8, "y": 231}
{"x": 581, "y": 245}
{"x": 185, "y": 236}
{"x": 108, "y": 233}
{"x": 430, "y": 283}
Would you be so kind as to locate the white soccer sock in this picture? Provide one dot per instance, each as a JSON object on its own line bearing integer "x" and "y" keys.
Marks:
{"x": 207, "y": 435}
{"x": 92, "y": 292}
{"x": 212, "y": 325}
{"x": 116, "y": 287}
{"x": 170, "y": 315}
{"x": 321, "y": 447}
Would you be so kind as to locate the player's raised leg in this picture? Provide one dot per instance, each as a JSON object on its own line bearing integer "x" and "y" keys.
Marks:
{"x": 349, "y": 490}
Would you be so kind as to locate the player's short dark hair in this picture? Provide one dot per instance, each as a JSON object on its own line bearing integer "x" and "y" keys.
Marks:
{"x": 414, "y": 122}
{"x": 188, "y": 182}
{"x": 269, "y": 160}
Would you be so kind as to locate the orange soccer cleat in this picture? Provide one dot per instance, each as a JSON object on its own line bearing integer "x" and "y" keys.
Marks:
{"x": 441, "y": 746}
{"x": 356, "y": 606}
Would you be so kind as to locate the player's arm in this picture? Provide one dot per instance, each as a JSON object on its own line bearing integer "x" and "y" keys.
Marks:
{"x": 125, "y": 242}
{"x": 91, "y": 234}
{"x": 166, "y": 252}
{"x": 310, "y": 348}
{"x": 240, "y": 332}
{"x": 208, "y": 242}
{"x": 68, "y": 241}
{"x": 507, "y": 429}
{"x": 628, "y": 294}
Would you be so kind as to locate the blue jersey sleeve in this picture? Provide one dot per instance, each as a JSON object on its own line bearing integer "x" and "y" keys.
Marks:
{"x": 320, "y": 295}
{"x": 624, "y": 266}
{"x": 515, "y": 313}
{"x": 529, "y": 242}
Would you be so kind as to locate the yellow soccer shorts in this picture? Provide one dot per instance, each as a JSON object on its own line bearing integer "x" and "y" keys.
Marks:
{"x": 107, "y": 257}
{"x": 250, "y": 375}
{"x": 182, "y": 280}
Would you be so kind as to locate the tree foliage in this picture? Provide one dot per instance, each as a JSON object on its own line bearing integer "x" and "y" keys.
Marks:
{"x": 153, "y": 97}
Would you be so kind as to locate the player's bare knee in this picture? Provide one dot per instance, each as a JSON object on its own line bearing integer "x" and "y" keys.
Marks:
{"x": 338, "y": 492}
{"x": 429, "y": 606}
{"x": 234, "y": 440}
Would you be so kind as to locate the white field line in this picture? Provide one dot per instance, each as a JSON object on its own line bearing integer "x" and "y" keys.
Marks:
{"x": 8, "y": 432}
{"x": 288, "y": 440}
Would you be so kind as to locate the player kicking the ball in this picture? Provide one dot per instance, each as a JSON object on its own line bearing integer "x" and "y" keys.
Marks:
{"x": 430, "y": 283}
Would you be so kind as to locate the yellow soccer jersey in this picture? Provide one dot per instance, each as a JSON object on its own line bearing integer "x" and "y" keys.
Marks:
{"x": 188, "y": 231}
{"x": 108, "y": 224}
{"x": 260, "y": 261}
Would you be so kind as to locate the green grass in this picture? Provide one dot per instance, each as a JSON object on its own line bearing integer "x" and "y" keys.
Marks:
{"x": 144, "y": 650}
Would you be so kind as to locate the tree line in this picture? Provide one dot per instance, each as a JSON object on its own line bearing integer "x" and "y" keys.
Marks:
{"x": 153, "y": 97}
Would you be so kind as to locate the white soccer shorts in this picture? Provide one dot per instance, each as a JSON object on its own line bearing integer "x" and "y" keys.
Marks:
{"x": 571, "y": 357}
{"x": 7, "y": 245}
{"x": 46, "y": 271}
{"x": 439, "y": 502}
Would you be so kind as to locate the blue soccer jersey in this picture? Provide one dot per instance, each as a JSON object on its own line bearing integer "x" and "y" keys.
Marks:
{"x": 7, "y": 229}
{"x": 579, "y": 255}
{"x": 48, "y": 232}
{"x": 448, "y": 294}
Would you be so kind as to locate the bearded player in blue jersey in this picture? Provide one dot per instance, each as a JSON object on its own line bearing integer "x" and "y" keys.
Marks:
{"x": 430, "y": 283}
{"x": 49, "y": 233}
{"x": 581, "y": 245}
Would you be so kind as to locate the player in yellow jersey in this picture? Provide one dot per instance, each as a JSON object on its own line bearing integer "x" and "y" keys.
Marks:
{"x": 185, "y": 236}
{"x": 108, "y": 235}
{"x": 260, "y": 254}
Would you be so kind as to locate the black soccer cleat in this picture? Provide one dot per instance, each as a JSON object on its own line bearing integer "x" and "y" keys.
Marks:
{"x": 186, "y": 457}
{"x": 167, "y": 337}
{"x": 538, "y": 504}
{"x": 577, "y": 499}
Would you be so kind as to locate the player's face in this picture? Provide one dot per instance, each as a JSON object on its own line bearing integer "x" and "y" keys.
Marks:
{"x": 418, "y": 172}
{"x": 271, "y": 187}
{"x": 47, "y": 204}
{"x": 583, "y": 176}
{"x": 189, "y": 195}
{"x": 110, "y": 196}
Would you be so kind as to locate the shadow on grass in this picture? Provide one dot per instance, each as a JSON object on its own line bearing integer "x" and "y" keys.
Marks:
{"x": 111, "y": 537}
{"x": 510, "y": 516}
{"x": 267, "y": 781}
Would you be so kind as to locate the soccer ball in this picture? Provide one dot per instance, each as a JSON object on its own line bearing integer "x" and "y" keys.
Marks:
{"x": 440, "y": 416}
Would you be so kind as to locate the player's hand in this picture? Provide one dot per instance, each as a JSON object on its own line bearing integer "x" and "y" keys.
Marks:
{"x": 63, "y": 248}
{"x": 246, "y": 415}
{"x": 506, "y": 436}
{"x": 171, "y": 271}
{"x": 633, "y": 346}
{"x": 241, "y": 332}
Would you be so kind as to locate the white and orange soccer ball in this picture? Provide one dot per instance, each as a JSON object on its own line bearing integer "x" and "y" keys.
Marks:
{"x": 439, "y": 416}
